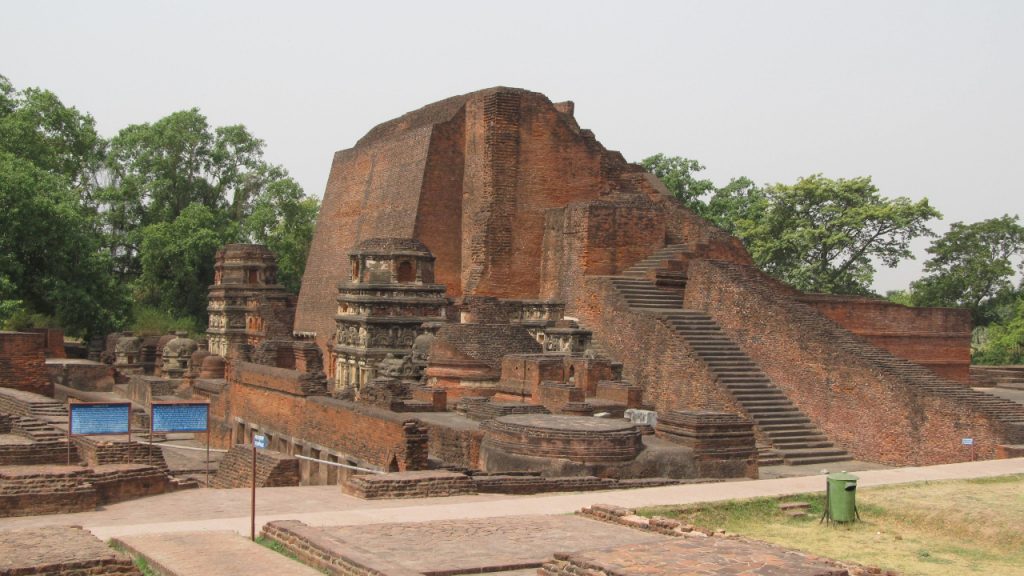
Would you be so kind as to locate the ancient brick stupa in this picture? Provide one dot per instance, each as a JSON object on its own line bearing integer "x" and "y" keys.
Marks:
{"x": 515, "y": 200}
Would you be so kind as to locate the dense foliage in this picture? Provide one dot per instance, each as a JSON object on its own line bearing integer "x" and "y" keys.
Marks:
{"x": 819, "y": 234}
{"x": 92, "y": 231}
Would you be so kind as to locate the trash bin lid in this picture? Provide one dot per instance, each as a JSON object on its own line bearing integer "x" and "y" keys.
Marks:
{"x": 842, "y": 476}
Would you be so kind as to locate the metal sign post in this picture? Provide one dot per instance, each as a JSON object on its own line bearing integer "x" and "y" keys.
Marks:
{"x": 258, "y": 441}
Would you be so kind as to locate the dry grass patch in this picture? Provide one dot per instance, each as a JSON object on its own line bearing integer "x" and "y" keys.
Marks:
{"x": 929, "y": 528}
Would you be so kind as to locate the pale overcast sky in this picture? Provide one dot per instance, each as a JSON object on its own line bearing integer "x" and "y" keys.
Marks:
{"x": 926, "y": 97}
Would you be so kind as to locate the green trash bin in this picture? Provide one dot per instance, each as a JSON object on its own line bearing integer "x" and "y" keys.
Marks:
{"x": 841, "y": 503}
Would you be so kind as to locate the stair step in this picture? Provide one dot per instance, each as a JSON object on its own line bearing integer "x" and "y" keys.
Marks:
{"x": 801, "y": 444}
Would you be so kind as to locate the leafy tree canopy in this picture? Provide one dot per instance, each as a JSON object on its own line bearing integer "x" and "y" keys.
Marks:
{"x": 819, "y": 234}
{"x": 1002, "y": 343}
{"x": 85, "y": 224}
{"x": 973, "y": 266}
{"x": 163, "y": 173}
{"x": 51, "y": 259}
{"x": 678, "y": 175}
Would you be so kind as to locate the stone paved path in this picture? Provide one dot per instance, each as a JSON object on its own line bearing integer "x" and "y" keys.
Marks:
{"x": 481, "y": 545}
{"x": 211, "y": 554}
{"x": 207, "y": 509}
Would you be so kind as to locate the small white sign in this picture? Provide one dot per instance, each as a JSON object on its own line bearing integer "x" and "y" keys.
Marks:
{"x": 259, "y": 440}
{"x": 967, "y": 441}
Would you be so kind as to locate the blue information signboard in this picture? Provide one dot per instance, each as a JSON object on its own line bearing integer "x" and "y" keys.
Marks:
{"x": 99, "y": 418}
{"x": 179, "y": 417}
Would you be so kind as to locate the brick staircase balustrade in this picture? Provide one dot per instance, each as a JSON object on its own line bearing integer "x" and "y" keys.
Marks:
{"x": 787, "y": 435}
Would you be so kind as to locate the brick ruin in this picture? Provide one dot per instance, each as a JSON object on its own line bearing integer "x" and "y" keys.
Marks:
{"x": 486, "y": 278}
{"x": 493, "y": 294}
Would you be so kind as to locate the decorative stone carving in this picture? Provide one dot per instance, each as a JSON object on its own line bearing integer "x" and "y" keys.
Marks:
{"x": 382, "y": 310}
{"x": 176, "y": 355}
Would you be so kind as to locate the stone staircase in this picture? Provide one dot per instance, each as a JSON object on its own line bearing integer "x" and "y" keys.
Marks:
{"x": 1009, "y": 377}
{"x": 656, "y": 262}
{"x": 913, "y": 375}
{"x": 793, "y": 438}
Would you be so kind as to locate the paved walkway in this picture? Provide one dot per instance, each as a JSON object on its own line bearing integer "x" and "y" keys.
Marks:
{"x": 210, "y": 553}
{"x": 209, "y": 509}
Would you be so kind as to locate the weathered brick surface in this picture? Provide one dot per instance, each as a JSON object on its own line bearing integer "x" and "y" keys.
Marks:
{"x": 419, "y": 484}
{"x": 937, "y": 338}
{"x": 271, "y": 399}
{"x": 272, "y": 469}
{"x": 81, "y": 374}
{"x": 868, "y": 402}
{"x": 60, "y": 551}
{"x": 723, "y": 444}
{"x": 23, "y": 363}
{"x": 492, "y": 162}
{"x": 104, "y": 450}
{"x": 121, "y": 482}
{"x": 315, "y": 548}
{"x": 654, "y": 356}
{"x": 32, "y": 490}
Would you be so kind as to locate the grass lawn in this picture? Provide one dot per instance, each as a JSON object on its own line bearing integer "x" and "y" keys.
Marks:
{"x": 940, "y": 528}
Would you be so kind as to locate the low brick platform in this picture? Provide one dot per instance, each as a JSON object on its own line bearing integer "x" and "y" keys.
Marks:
{"x": 210, "y": 554}
{"x": 60, "y": 550}
{"x": 419, "y": 484}
{"x": 56, "y": 489}
{"x": 272, "y": 469}
{"x": 449, "y": 546}
{"x": 697, "y": 557}
{"x": 32, "y": 490}
{"x": 576, "y": 438}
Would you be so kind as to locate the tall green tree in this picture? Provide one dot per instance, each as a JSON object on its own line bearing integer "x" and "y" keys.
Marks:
{"x": 973, "y": 266}
{"x": 283, "y": 218}
{"x": 51, "y": 259}
{"x": 1003, "y": 342}
{"x": 177, "y": 260}
{"x": 161, "y": 173}
{"x": 820, "y": 234}
{"x": 679, "y": 176}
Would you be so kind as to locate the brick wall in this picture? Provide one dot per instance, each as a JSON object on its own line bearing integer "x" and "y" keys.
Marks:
{"x": 376, "y": 437}
{"x": 597, "y": 238}
{"x": 272, "y": 469}
{"x": 104, "y": 450}
{"x": 419, "y": 484}
{"x": 34, "y": 490}
{"x": 81, "y": 374}
{"x": 653, "y": 356}
{"x": 455, "y": 446}
{"x": 23, "y": 362}
{"x": 868, "y": 409}
{"x": 937, "y": 338}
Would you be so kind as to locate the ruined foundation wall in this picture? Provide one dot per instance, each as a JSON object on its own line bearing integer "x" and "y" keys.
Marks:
{"x": 376, "y": 437}
{"x": 654, "y": 357}
{"x": 23, "y": 362}
{"x": 874, "y": 415}
{"x": 936, "y": 338}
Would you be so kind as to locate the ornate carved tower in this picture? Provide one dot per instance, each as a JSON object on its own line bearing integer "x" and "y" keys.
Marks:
{"x": 382, "y": 307}
{"x": 247, "y": 305}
